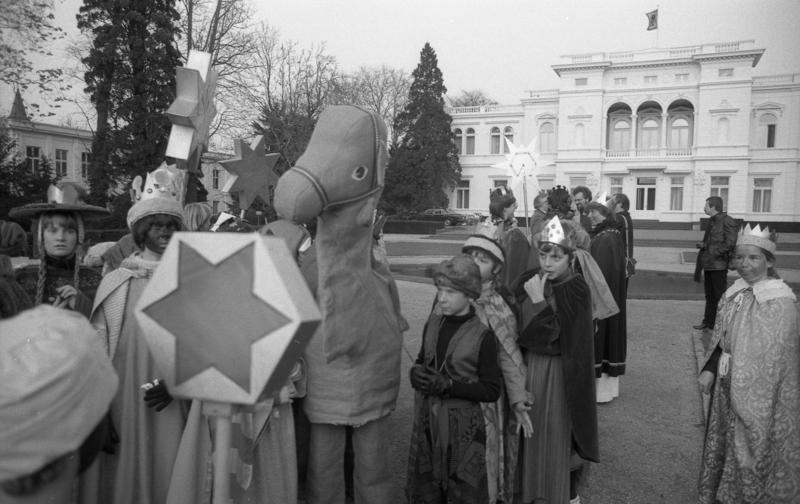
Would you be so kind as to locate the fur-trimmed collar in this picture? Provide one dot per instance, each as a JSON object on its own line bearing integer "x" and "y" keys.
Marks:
{"x": 765, "y": 290}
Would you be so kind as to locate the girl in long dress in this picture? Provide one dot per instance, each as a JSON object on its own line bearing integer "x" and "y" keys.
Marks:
{"x": 556, "y": 335}
{"x": 751, "y": 452}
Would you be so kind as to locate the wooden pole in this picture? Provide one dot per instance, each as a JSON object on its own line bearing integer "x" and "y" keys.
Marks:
{"x": 525, "y": 200}
{"x": 222, "y": 412}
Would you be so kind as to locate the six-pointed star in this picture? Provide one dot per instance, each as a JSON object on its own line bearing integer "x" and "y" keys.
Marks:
{"x": 205, "y": 335}
{"x": 252, "y": 172}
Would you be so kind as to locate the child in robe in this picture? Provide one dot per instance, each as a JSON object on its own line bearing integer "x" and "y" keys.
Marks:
{"x": 456, "y": 377}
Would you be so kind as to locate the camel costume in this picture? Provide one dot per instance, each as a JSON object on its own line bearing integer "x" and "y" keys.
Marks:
{"x": 354, "y": 358}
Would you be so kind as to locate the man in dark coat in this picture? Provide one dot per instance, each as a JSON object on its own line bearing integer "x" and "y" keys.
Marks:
{"x": 718, "y": 243}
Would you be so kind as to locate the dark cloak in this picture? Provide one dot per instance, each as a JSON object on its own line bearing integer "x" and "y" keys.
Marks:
{"x": 565, "y": 330}
{"x": 610, "y": 343}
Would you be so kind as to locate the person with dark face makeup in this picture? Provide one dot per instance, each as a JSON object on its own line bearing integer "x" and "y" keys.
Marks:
{"x": 150, "y": 424}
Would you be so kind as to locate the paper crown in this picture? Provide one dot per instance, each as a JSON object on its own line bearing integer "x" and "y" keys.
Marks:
{"x": 162, "y": 193}
{"x": 485, "y": 238}
{"x": 553, "y": 232}
{"x": 166, "y": 181}
{"x": 758, "y": 236}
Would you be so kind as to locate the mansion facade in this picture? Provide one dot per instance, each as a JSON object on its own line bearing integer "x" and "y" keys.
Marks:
{"x": 668, "y": 127}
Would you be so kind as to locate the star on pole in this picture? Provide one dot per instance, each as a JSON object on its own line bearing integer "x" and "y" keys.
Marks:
{"x": 520, "y": 162}
{"x": 252, "y": 172}
{"x": 206, "y": 336}
{"x": 192, "y": 111}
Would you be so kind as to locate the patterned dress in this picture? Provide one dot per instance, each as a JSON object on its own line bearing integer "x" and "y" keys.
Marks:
{"x": 752, "y": 443}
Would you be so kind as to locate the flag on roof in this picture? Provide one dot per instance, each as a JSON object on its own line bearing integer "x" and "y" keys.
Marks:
{"x": 652, "y": 20}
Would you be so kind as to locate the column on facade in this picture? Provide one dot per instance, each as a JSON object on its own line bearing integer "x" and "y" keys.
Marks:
{"x": 634, "y": 128}
{"x": 604, "y": 140}
{"x": 663, "y": 143}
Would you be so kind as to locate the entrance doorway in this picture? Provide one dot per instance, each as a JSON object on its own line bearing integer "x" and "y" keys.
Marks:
{"x": 645, "y": 206}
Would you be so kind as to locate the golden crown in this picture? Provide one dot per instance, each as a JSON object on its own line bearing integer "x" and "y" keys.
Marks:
{"x": 758, "y": 236}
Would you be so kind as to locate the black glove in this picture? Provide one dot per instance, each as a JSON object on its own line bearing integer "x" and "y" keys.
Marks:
{"x": 158, "y": 397}
{"x": 438, "y": 383}
{"x": 419, "y": 377}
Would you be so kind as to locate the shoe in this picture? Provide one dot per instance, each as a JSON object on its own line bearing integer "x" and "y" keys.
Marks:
{"x": 701, "y": 326}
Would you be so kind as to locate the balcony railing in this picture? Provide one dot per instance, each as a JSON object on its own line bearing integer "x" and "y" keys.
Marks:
{"x": 672, "y": 153}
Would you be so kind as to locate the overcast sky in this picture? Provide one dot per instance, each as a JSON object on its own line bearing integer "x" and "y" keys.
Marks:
{"x": 506, "y": 47}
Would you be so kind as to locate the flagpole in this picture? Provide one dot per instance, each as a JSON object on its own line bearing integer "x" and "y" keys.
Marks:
{"x": 658, "y": 14}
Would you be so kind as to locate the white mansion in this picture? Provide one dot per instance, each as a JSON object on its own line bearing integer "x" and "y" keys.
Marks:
{"x": 668, "y": 127}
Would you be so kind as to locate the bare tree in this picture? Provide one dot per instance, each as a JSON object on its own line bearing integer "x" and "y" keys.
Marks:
{"x": 224, "y": 29}
{"x": 471, "y": 98}
{"x": 28, "y": 27}
{"x": 383, "y": 90}
{"x": 289, "y": 86}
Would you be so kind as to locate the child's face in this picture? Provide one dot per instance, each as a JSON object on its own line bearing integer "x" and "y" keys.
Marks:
{"x": 452, "y": 301}
{"x": 159, "y": 234}
{"x": 486, "y": 264}
{"x": 554, "y": 262}
{"x": 59, "y": 240}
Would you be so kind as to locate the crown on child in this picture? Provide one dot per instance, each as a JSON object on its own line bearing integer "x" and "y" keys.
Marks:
{"x": 166, "y": 181}
{"x": 758, "y": 236}
{"x": 553, "y": 232}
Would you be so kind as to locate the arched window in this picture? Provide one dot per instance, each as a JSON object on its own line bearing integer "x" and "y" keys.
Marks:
{"x": 495, "y": 134}
{"x": 547, "y": 137}
{"x": 723, "y": 130}
{"x": 457, "y": 138}
{"x": 620, "y": 135}
{"x": 579, "y": 135}
{"x": 648, "y": 137}
{"x": 768, "y": 124}
{"x": 470, "y": 141}
{"x": 679, "y": 134}
{"x": 508, "y": 134}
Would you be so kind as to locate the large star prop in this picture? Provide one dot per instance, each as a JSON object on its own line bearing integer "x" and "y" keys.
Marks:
{"x": 252, "y": 172}
{"x": 192, "y": 111}
{"x": 206, "y": 336}
{"x": 520, "y": 162}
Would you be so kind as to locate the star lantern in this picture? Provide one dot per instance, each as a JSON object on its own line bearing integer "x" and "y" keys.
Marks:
{"x": 226, "y": 316}
{"x": 252, "y": 172}
{"x": 521, "y": 161}
{"x": 192, "y": 111}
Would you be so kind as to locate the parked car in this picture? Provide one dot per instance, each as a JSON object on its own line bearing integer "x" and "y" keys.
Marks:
{"x": 445, "y": 216}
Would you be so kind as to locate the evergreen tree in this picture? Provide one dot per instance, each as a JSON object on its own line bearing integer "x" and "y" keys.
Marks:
{"x": 19, "y": 183}
{"x": 424, "y": 163}
{"x": 131, "y": 82}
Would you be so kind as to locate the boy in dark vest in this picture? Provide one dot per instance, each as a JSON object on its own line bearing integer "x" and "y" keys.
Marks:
{"x": 455, "y": 376}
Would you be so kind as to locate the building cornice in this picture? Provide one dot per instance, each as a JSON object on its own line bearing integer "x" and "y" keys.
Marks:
{"x": 734, "y": 55}
{"x": 580, "y": 67}
{"x": 48, "y": 129}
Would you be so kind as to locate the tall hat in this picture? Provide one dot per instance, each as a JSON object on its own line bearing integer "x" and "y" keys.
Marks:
{"x": 553, "y": 232}
{"x": 758, "y": 236}
{"x": 65, "y": 197}
{"x": 162, "y": 193}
